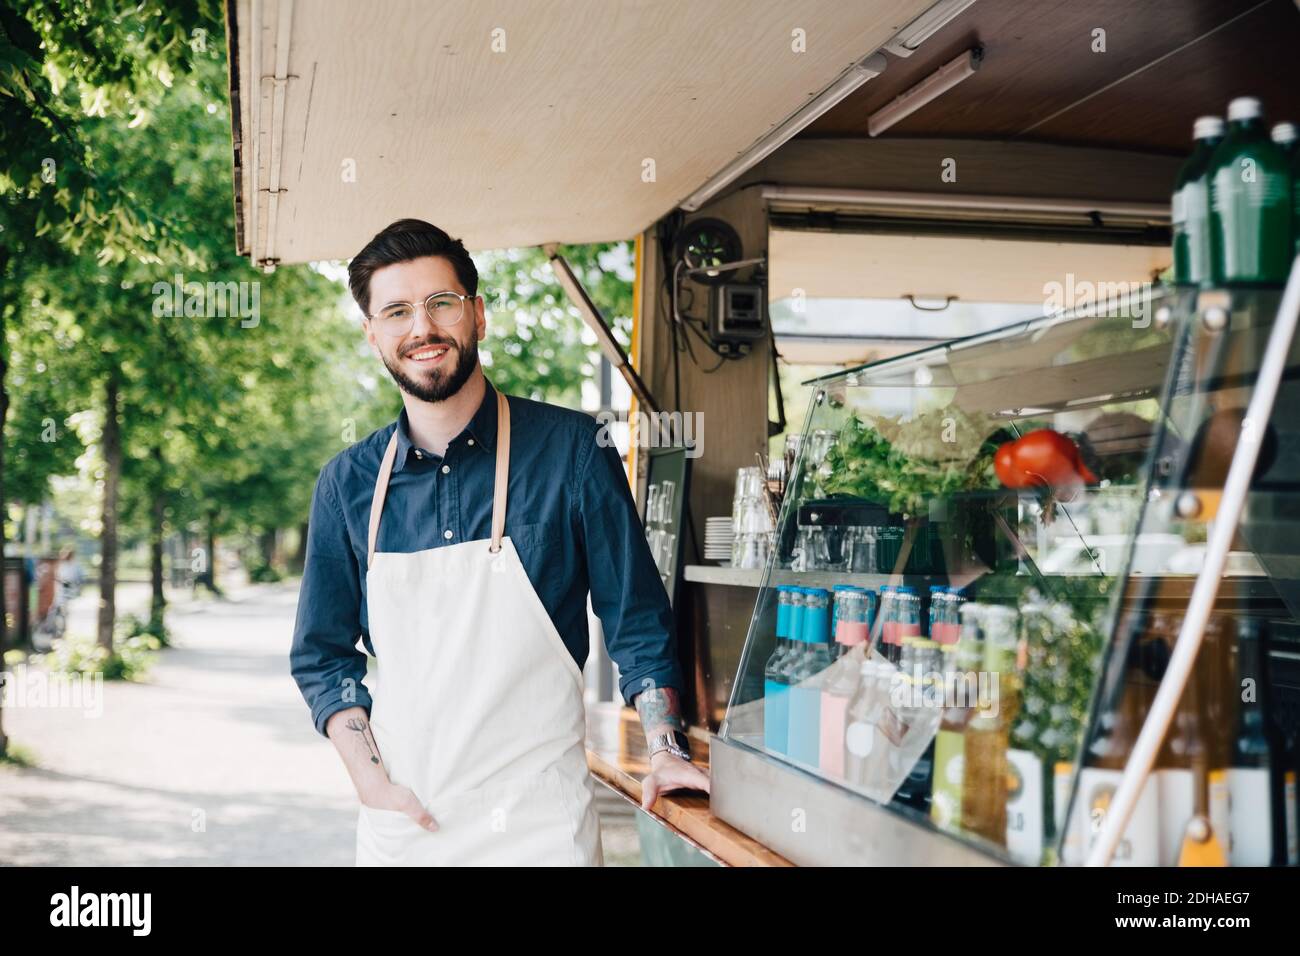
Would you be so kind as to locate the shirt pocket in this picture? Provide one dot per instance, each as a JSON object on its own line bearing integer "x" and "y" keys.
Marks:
{"x": 534, "y": 538}
{"x": 541, "y": 547}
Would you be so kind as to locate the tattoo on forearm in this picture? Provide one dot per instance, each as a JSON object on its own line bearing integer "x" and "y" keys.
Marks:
{"x": 660, "y": 710}
{"x": 362, "y": 728}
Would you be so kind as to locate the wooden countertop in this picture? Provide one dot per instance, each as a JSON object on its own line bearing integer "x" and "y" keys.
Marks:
{"x": 616, "y": 757}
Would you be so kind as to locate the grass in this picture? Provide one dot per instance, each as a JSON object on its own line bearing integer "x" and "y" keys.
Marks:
{"x": 17, "y": 756}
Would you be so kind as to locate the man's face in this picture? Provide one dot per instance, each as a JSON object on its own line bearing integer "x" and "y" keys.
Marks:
{"x": 430, "y": 362}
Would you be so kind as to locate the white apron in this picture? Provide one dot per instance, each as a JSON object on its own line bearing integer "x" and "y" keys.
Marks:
{"x": 478, "y": 707}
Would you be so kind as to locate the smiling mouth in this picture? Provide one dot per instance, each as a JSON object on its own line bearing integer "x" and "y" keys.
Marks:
{"x": 428, "y": 354}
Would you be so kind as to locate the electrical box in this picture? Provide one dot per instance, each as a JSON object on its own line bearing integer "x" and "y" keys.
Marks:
{"x": 738, "y": 314}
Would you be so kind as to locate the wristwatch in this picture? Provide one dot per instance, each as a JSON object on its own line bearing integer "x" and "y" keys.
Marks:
{"x": 674, "y": 741}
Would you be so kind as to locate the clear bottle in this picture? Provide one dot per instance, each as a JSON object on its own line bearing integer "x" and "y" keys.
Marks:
{"x": 1191, "y": 206}
{"x": 920, "y": 671}
{"x": 861, "y": 750}
{"x": 1250, "y": 202}
{"x": 804, "y": 743}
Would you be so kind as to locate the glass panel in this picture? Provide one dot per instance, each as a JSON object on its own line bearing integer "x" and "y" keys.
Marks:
{"x": 974, "y": 534}
{"x": 1223, "y": 788}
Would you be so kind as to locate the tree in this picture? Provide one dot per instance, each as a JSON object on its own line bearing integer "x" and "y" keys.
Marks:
{"x": 59, "y": 62}
{"x": 537, "y": 344}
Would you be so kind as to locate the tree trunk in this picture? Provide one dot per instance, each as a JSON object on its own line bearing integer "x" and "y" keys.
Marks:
{"x": 299, "y": 559}
{"x": 156, "y": 518}
{"x": 4, "y": 414}
{"x": 112, "y": 447}
{"x": 268, "y": 548}
{"x": 212, "y": 552}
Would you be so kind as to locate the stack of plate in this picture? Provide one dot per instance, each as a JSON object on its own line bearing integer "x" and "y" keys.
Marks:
{"x": 718, "y": 537}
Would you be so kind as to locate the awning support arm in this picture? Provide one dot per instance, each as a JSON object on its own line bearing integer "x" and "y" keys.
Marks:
{"x": 596, "y": 322}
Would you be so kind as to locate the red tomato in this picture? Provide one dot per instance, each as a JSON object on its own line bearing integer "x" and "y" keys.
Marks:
{"x": 1005, "y": 466}
{"x": 1050, "y": 458}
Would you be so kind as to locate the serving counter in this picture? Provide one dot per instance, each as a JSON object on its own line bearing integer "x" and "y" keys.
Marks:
{"x": 1071, "y": 599}
{"x": 617, "y": 759}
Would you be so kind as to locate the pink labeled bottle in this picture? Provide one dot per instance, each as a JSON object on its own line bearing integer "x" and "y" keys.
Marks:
{"x": 854, "y": 613}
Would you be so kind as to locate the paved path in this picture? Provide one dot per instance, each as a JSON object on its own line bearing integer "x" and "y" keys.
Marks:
{"x": 213, "y": 761}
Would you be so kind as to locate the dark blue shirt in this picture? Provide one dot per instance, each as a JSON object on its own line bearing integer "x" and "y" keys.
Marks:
{"x": 569, "y": 512}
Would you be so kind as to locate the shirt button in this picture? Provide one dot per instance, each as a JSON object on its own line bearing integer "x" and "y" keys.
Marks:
{"x": 471, "y": 441}
{"x": 446, "y": 469}
{"x": 418, "y": 453}
{"x": 447, "y": 534}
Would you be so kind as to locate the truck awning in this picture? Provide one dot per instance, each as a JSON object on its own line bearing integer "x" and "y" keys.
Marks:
{"x": 511, "y": 123}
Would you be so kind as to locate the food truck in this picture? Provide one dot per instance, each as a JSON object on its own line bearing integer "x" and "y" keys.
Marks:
{"x": 986, "y": 309}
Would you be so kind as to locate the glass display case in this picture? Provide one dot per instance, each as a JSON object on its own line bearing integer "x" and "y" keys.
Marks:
{"x": 990, "y": 556}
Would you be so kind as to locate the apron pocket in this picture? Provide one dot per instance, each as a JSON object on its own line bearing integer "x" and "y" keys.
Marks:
{"x": 531, "y": 820}
{"x": 389, "y": 838}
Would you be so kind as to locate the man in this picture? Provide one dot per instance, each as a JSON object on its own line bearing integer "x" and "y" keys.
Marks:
{"x": 459, "y": 543}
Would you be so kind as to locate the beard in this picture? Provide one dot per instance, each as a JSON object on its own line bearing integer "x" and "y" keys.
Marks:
{"x": 441, "y": 383}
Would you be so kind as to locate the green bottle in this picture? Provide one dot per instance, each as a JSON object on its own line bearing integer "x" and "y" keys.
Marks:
{"x": 1250, "y": 202}
{"x": 1284, "y": 134}
{"x": 1191, "y": 206}
{"x": 1287, "y": 136}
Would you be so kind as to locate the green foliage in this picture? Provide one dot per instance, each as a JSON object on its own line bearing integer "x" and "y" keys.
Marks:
{"x": 133, "y": 626}
{"x": 537, "y": 344}
{"x": 864, "y": 463}
{"x": 131, "y": 658}
{"x": 65, "y": 64}
{"x": 18, "y": 756}
{"x": 263, "y": 573}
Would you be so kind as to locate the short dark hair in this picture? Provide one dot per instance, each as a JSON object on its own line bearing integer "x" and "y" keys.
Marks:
{"x": 403, "y": 241}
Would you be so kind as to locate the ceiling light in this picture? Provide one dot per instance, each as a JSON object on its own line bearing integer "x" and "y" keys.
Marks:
{"x": 928, "y": 90}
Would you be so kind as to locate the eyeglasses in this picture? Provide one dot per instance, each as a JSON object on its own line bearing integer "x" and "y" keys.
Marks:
{"x": 443, "y": 309}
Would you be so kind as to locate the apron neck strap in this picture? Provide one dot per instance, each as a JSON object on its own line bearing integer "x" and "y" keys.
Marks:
{"x": 498, "y": 493}
{"x": 503, "y": 472}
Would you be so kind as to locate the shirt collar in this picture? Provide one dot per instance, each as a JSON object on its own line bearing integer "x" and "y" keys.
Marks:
{"x": 482, "y": 428}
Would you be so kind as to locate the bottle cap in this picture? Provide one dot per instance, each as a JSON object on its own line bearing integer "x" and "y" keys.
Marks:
{"x": 1244, "y": 108}
{"x": 1207, "y": 127}
{"x": 1284, "y": 133}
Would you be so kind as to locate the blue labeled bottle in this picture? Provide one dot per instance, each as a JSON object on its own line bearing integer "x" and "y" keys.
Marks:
{"x": 805, "y": 690}
{"x": 776, "y": 687}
